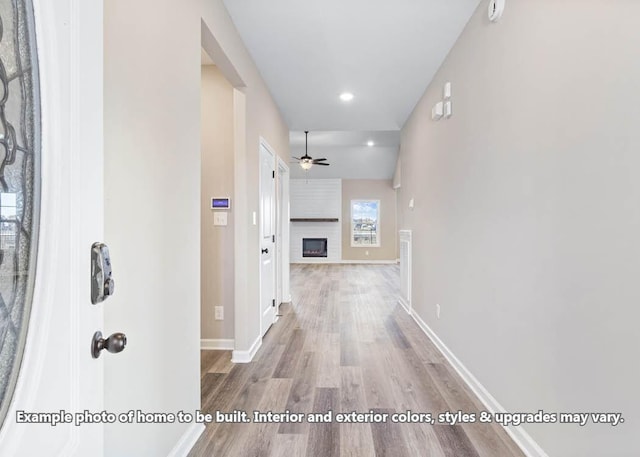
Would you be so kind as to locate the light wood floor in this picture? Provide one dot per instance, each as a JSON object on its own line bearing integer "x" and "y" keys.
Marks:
{"x": 343, "y": 345}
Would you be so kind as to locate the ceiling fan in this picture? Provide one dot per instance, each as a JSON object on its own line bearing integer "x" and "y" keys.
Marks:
{"x": 306, "y": 161}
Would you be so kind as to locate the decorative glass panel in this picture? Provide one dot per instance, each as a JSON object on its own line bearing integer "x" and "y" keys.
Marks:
{"x": 365, "y": 217}
{"x": 19, "y": 185}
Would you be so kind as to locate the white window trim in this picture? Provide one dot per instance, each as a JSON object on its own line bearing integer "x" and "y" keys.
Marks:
{"x": 377, "y": 244}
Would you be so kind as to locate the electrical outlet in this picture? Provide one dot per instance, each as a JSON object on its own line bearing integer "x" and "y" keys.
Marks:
{"x": 366, "y": 252}
{"x": 438, "y": 310}
{"x": 219, "y": 313}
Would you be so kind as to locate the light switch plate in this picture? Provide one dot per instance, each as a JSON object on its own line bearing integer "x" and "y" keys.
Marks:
{"x": 447, "y": 91}
{"x": 220, "y": 218}
{"x": 437, "y": 111}
{"x": 447, "y": 109}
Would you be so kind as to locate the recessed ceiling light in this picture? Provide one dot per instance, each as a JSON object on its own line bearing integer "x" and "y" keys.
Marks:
{"x": 370, "y": 143}
{"x": 346, "y": 96}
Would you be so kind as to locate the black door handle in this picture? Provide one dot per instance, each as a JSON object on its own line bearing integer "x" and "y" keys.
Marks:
{"x": 114, "y": 344}
{"x": 265, "y": 251}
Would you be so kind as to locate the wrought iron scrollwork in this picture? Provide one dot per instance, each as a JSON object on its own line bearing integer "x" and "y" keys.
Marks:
{"x": 19, "y": 184}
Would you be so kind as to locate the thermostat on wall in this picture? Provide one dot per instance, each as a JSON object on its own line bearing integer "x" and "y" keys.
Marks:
{"x": 220, "y": 203}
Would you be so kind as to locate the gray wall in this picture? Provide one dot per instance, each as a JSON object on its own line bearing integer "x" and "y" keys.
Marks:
{"x": 370, "y": 189}
{"x": 527, "y": 213}
{"x": 217, "y": 255}
{"x": 152, "y": 207}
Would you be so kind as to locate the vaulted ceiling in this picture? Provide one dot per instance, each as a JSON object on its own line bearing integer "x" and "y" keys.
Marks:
{"x": 383, "y": 52}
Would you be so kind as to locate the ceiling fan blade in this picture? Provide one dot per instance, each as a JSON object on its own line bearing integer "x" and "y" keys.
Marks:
{"x": 297, "y": 158}
{"x": 319, "y": 160}
{"x": 324, "y": 164}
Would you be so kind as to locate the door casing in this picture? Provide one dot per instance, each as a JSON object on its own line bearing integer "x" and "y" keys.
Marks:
{"x": 267, "y": 236}
{"x": 282, "y": 239}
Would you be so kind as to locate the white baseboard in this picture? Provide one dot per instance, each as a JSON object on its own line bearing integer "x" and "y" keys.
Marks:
{"x": 518, "y": 434}
{"x": 372, "y": 262}
{"x": 217, "y": 344}
{"x": 405, "y": 305}
{"x": 187, "y": 440}
{"x": 347, "y": 262}
{"x": 316, "y": 261}
{"x": 246, "y": 356}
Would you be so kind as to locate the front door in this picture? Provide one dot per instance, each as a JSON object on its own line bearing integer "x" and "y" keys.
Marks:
{"x": 51, "y": 213}
{"x": 267, "y": 238}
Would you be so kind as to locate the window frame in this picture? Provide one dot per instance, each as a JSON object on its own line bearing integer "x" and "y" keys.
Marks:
{"x": 351, "y": 232}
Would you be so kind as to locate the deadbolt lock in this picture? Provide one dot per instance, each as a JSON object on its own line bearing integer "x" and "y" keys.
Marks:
{"x": 102, "y": 283}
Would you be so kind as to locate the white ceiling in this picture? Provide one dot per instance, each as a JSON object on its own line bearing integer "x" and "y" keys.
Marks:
{"x": 348, "y": 154}
{"x": 384, "y": 52}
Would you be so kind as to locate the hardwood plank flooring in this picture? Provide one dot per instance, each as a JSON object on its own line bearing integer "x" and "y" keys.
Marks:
{"x": 356, "y": 439}
{"x": 324, "y": 438}
{"x": 343, "y": 345}
{"x": 388, "y": 438}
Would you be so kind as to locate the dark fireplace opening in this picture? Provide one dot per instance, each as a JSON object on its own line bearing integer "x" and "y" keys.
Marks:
{"x": 314, "y": 247}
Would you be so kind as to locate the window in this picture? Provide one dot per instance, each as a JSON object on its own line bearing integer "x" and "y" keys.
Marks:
{"x": 365, "y": 217}
{"x": 19, "y": 185}
{"x": 8, "y": 220}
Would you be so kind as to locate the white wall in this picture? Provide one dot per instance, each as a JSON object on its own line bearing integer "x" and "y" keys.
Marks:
{"x": 152, "y": 201}
{"x": 527, "y": 214}
{"x": 316, "y": 198}
{"x": 152, "y": 191}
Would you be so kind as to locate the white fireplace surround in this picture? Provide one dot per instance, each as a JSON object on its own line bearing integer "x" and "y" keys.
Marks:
{"x": 316, "y": 199}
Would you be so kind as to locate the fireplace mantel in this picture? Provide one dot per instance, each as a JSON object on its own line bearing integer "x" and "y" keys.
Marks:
{"x": 314, "y": 219}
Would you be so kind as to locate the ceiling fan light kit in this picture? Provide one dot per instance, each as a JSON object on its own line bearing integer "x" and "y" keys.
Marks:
{"x": 306, "y": 161}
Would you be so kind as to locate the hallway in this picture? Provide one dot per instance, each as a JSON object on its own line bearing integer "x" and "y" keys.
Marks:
{"x": 343, "y": 345}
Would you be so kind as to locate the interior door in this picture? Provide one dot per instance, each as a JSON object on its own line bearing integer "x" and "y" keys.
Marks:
{"x": 59, "y": 62}
{"x": 267, "y": 238}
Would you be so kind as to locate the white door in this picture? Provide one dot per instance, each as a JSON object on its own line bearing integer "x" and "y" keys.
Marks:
{"x": 267, "y": 238}
{"x": 57, "y": 372}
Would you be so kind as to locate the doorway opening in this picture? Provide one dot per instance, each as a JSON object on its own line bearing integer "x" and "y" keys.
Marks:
{"x": 222, "y": 136}
{"x": 217, "y": 234}
{"x": 229, "y": 220}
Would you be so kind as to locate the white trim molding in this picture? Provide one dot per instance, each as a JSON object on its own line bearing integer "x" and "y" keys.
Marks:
{"x": 246, "y": 356}
{"x": 187, "y": 440}
{"x": 405, "y": 263}
{"x": 405, "y": 305}
{"x": 217, "y": 344}
{"x": 368, "y": 262}
{"x": 347, "y": 262}
{"x": 518, "y": 434}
